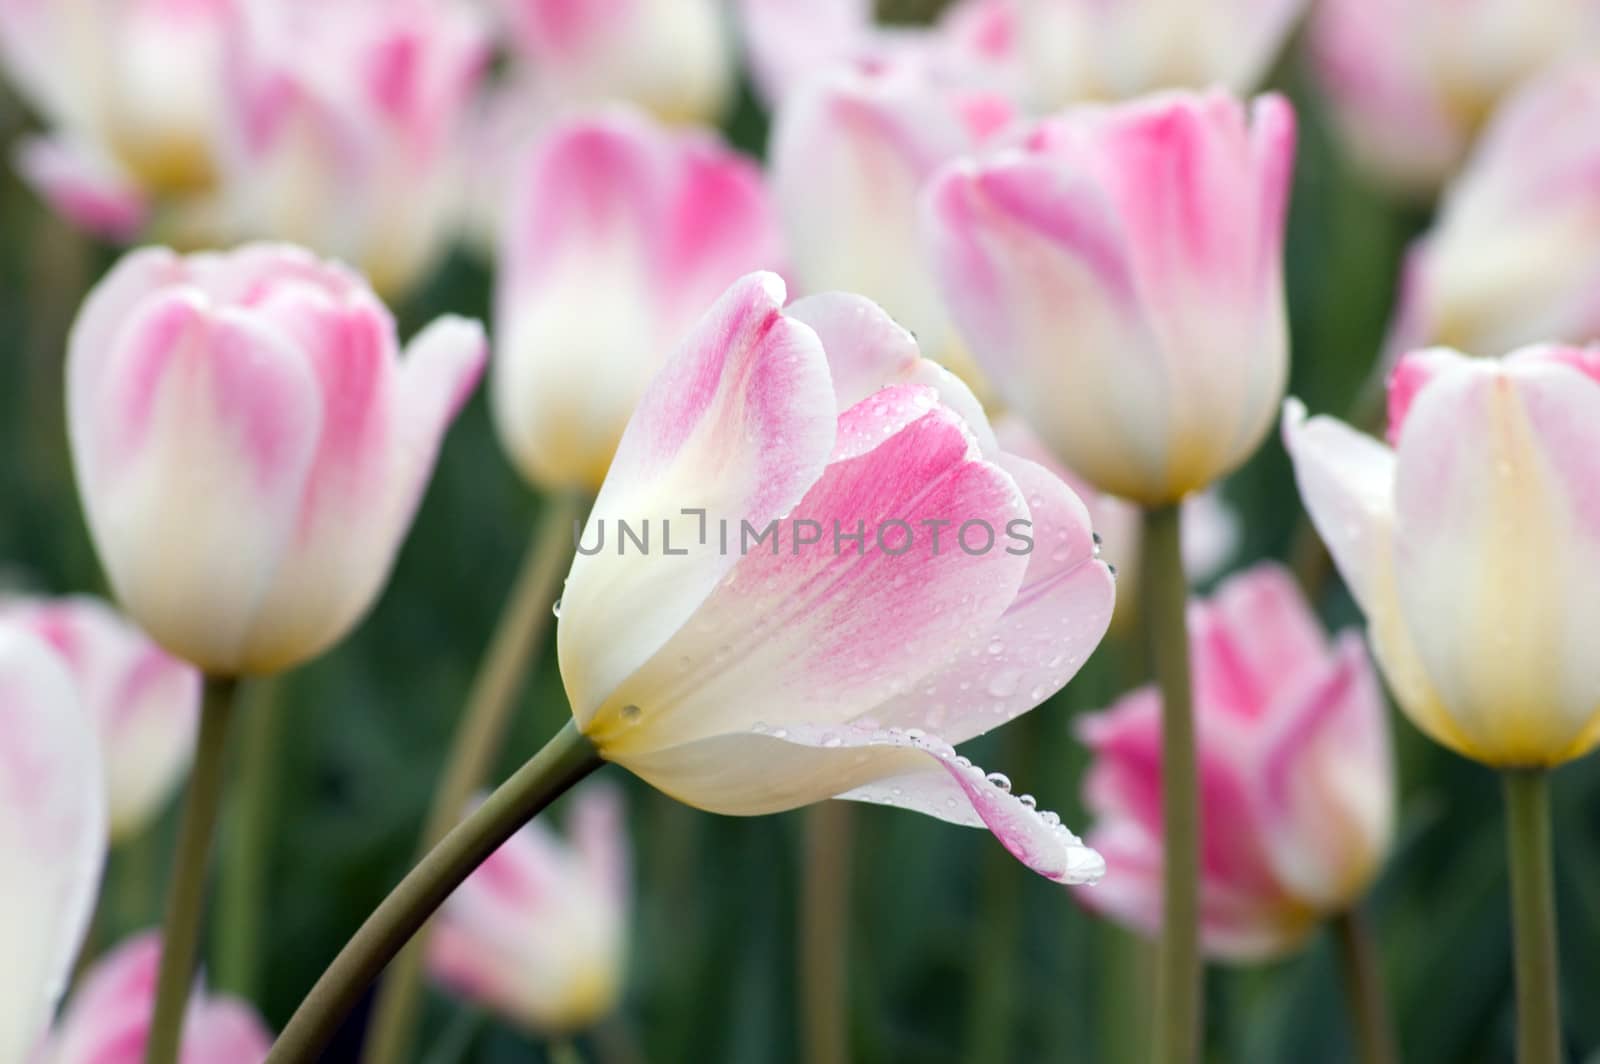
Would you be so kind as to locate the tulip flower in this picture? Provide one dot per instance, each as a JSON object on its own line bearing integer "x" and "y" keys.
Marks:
{"x": 672, "y": 57}
{"x": 1118, "y": 277}
{"x": 1411, "y": 83}
{"x": 1296, "y": 773}
{"x": 107, "y": 1019}
{"x": 347, "y": 122}
{"x": 538, "y": 933}
{"x": 52, "y": 833}
{"x": 850, "y": 155}
{"x": 131, "y": 92}
{"x": 667, "y": 219}
{"x": 143, "y": 702}
{"x": 250, "y": 447}
{"x": 1512, "y": 258}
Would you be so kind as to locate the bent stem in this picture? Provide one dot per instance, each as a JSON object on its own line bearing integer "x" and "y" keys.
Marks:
{"x": 513, "y": 651}
{"x": 1363, "y": 983}
{"x": 1164, "y": 591}
{"x": 180, "y": 934}
{"x": 565, "y": 759}
{"x": 1533, "y": 912}
{"x": 825, "y": 931}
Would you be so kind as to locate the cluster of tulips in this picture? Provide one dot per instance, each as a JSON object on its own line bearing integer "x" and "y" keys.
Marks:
{"x": 829, "y": 445}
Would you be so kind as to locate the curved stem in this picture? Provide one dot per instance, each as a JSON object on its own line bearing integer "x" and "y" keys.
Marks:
{"x": 512, "y": 654}
{"x": 565, "y": 759}
{"x": 1165, "y": 601}
{"x": 180, "y": 933}
{"x": 242, "y": 876}
{"x": 825, "y": 932}
{"x": 1363, "y": 982}
{"x": 1533, "y": 911}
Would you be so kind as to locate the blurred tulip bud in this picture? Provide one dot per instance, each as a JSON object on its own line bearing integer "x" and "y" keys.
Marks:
{"x": 131, "y": 92}
{"x": 144, "y": 703}
{"x": 850, "y": 155}
{"x": 348, "y": 120}
{"x": 1473, "y": 545}
{"x": 847, "y": 576}
{"x": 1077, "y": 50}
{"x": 1118, "y": 275}
{"x": 107, "y": 1020}
{"x": 1295, "y": 771}
{"x": 52, "y": 834}
{"x": 539, "y": 932}
{"x": 250, "y": 446}
{"x": 623, "y": 232}
{"x": 672, "y": 57}
{"x": 1411, "y": 83}
{"x": 1514, "y": 255}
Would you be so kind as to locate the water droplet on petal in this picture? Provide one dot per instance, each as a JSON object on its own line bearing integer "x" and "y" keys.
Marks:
{"x": 1000, "y": 779}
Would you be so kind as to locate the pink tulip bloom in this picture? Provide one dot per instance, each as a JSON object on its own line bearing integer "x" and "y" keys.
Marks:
{"x": 749, "y": 676}
{"x": 623, "y": 232}
{"x": 673, "y": 58}
{"x": 1514, "y": 254}
{"x": 1117, "y": 273}
{"x": 1411, "y": 83}
{"x": 250, "y": 446}
{"x": 1296, "y": 775}
{"x": 145, "y": 704}
{"x": 1471, "y": 545}
{"x": 107, "y": 1020}
{"x": 347, "y": 121}
{"x": 539, "y": 932}
{"x": 52, "y": 834}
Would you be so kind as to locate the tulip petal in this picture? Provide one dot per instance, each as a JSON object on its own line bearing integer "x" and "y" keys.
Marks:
{"x": 866, "y": 347}
{"x": 746, "y": 374}
{"x": 1256, "y": 634}
{"x": 52, "y": 832}
{"x": 90, "y": 193}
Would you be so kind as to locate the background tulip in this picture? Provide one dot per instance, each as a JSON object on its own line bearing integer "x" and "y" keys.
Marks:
{"x": 1468, "y": 546}
{"x": 1411, "y": 83}
{"x": 748, "y": 682}
{"x": 144, "y": 703}
{"x": 52, "y": 833}
{"x": 250, "y": 446}
{"x": 1514, "y": 255}
{"x": 623, "y": 232}
{"x": 539, "y": 931}
{"x": 107, "y": 1019}
{"x": 1296, "y": 775}
{"x": 1118, "y": 277}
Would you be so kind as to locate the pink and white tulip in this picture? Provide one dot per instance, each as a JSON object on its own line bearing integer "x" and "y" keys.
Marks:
{"x": 52, "y": 833}
{"x": 623, "y": 233}
{"x": 145, "y": 704}
{"x": 539, "y": 932}
{"x": 673, "y": 58}
{"x": 107, "y": 1020}
{"x": 348, "y": 119}
{"x": 1411, "y": 83}
{"x": 1514, "y": 255}
{"x": 131, "y": 93}
{"x": 250, "y": 445}
{"x": 1296, "y": 775}
{"x": 1472, "y": 545}
{"x": 748, "y": 679}
{"x": 1117, "y": 273}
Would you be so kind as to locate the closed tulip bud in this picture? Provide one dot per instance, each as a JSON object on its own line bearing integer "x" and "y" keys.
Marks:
{"x": 1514, "y": 255}
{"x": 796, "y": 631}
{"x": 1472, "y": 547}
{"x": 1411, "y": 83}
{"x": 52, "y": 833}
{"x": 1295, "y": 772}
{"x": 622, "y": 233}
{"x": 539, "y": 932}
{"x": 250, "y": 446}
{"x": 347, "y": 123}
{"x": 1117, "y": 273}
{"x": 107, "y": 1019}
{"x": 144, "y": 703}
